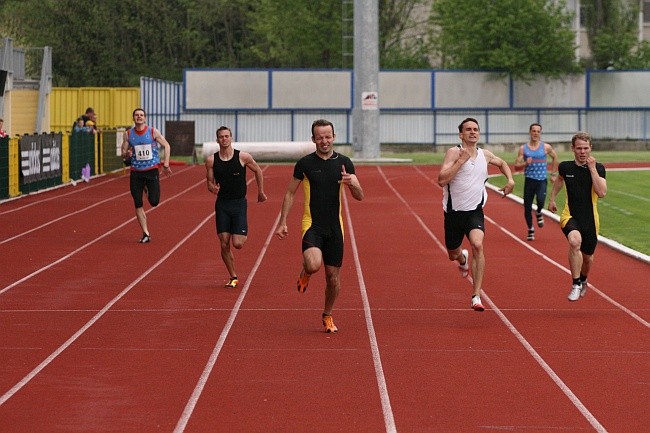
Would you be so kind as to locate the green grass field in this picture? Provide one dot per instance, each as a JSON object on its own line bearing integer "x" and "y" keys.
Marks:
{"x": 604, "y": 157}
{"x": 622, "y": 212}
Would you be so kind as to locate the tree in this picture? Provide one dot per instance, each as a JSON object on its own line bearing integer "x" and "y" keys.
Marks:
{"x": 115, "y": 43}
{"x": 403, "y": 34}
{"x": 522, "y": 38}
{"x": 612, "y": 34}
{"x": 296, "y": 33}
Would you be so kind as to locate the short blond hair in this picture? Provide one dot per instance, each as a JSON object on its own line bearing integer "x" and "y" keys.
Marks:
{"x": 581, "y": 135}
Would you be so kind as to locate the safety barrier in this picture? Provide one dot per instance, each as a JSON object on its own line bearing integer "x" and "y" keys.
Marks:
{"x": 39, "y": 161}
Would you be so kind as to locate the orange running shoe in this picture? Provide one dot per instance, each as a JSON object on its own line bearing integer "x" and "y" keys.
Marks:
{"x": 303, "y": 281}
{"x": 328, "y": 323}
{"x": 232, "y": 283}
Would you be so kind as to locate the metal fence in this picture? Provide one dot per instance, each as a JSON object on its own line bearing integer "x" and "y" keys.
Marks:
{"x": 164, "y": 100}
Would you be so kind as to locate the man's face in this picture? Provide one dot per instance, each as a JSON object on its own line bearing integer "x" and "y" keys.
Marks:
{"x": 470, "y": 132}
{"x": 581, "y": 150}
{"x": 323, "y": 138}
{"x": 139, "y": 117}
{"x": 535, "y": 133}
{"x": 224, "y": 138}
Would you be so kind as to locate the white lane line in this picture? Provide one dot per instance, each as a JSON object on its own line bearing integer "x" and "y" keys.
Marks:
{"x": 58, "y": 197}
{"x": 25, "y": 380}
{"x": 627, "y": 194}
{"x": 198, "y": 389}
{"x": 95, "y": 240}
{"x": 609, "y": 242}
{"x": 389, "y": 419}
{"x": 547, "y": 368}
{"x": 62, "y": 217}
{"x": 618, "y": 305}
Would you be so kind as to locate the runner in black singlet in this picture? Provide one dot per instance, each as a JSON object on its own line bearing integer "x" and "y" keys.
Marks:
{"x": 226, "y": 177}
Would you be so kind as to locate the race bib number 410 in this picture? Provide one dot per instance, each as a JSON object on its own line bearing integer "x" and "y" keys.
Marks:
{"x": 143, "y": 152}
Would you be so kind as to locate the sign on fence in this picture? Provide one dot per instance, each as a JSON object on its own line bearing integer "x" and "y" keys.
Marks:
{"x": 180, "y": 135}
{"x": 40, "y": 157}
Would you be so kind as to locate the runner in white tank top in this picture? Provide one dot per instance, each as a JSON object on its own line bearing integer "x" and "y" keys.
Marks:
{"x": 467, "y": 188}
{"x": 462, "y": 178}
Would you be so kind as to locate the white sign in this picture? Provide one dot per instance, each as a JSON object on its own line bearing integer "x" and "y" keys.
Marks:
{"x": 369, "y": 101}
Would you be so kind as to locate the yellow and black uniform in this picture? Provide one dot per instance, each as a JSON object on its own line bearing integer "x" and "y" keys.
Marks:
{"x": 322, "y": 223}
{"x": 581, "y": 208}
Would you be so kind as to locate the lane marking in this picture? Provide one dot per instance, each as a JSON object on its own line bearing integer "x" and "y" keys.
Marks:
{"x": 62, "y": 217}
{"x": 566, "y": 270}
{"x": 522, "y": 340}
{"x": 389, "y": 419}
{"x": 95, "y": 240}
{"x": 11, "y": 392}
{"x": 634, "y": 196}
{"x": 57, "y": 197}
{"x": 207, "y": 370}
{"x": 25, "y": 380}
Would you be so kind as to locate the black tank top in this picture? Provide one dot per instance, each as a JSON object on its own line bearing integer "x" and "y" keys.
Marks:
{"x": 231, "y": 177}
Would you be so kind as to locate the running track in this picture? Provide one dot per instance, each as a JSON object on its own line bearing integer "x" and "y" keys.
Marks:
{"x": 102, "y": 334}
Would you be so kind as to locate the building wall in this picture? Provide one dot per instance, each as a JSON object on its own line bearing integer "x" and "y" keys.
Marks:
{"x": 24, "y": 106}
{"x": 112, "y": 105}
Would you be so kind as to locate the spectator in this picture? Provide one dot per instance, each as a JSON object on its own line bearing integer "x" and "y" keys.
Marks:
{"x": 85, "y": 117}
{"x": 91, "y": 123}
{"x": 3, "y": 133}
{"x": 79, "y": 126}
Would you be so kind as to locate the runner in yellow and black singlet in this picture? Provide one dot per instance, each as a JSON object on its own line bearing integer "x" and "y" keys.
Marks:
{"x": 323, "y": 174}
{"x": 585, "y": 184}
{"x": 322, "y": 226}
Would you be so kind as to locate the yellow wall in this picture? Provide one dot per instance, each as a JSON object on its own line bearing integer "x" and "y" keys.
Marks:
{"x": 112, "y": 105}
{"x": 24, "y": 106}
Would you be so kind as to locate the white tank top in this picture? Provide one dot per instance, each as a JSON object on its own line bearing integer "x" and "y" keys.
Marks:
{"x": 467, "y": 189}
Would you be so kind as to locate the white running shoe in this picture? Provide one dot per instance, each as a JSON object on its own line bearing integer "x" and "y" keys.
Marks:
{"x": 464, "y": 269}
{"x": 476, "y": 303}
{"x": 583, "y": 289}
{"x": 574, "y": 294}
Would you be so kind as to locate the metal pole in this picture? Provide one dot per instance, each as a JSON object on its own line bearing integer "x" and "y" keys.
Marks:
{"x": 576, "y": 24}
{"x": 365, "y": 113}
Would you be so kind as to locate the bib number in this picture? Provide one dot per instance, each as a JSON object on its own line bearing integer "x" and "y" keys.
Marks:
{"x": 143, "y": 152}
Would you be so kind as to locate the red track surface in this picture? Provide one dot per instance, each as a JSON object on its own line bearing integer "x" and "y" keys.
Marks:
{"x": 100, "y": 333}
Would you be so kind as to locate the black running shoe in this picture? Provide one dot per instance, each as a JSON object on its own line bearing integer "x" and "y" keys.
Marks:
{"x": 531, "y": 235}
